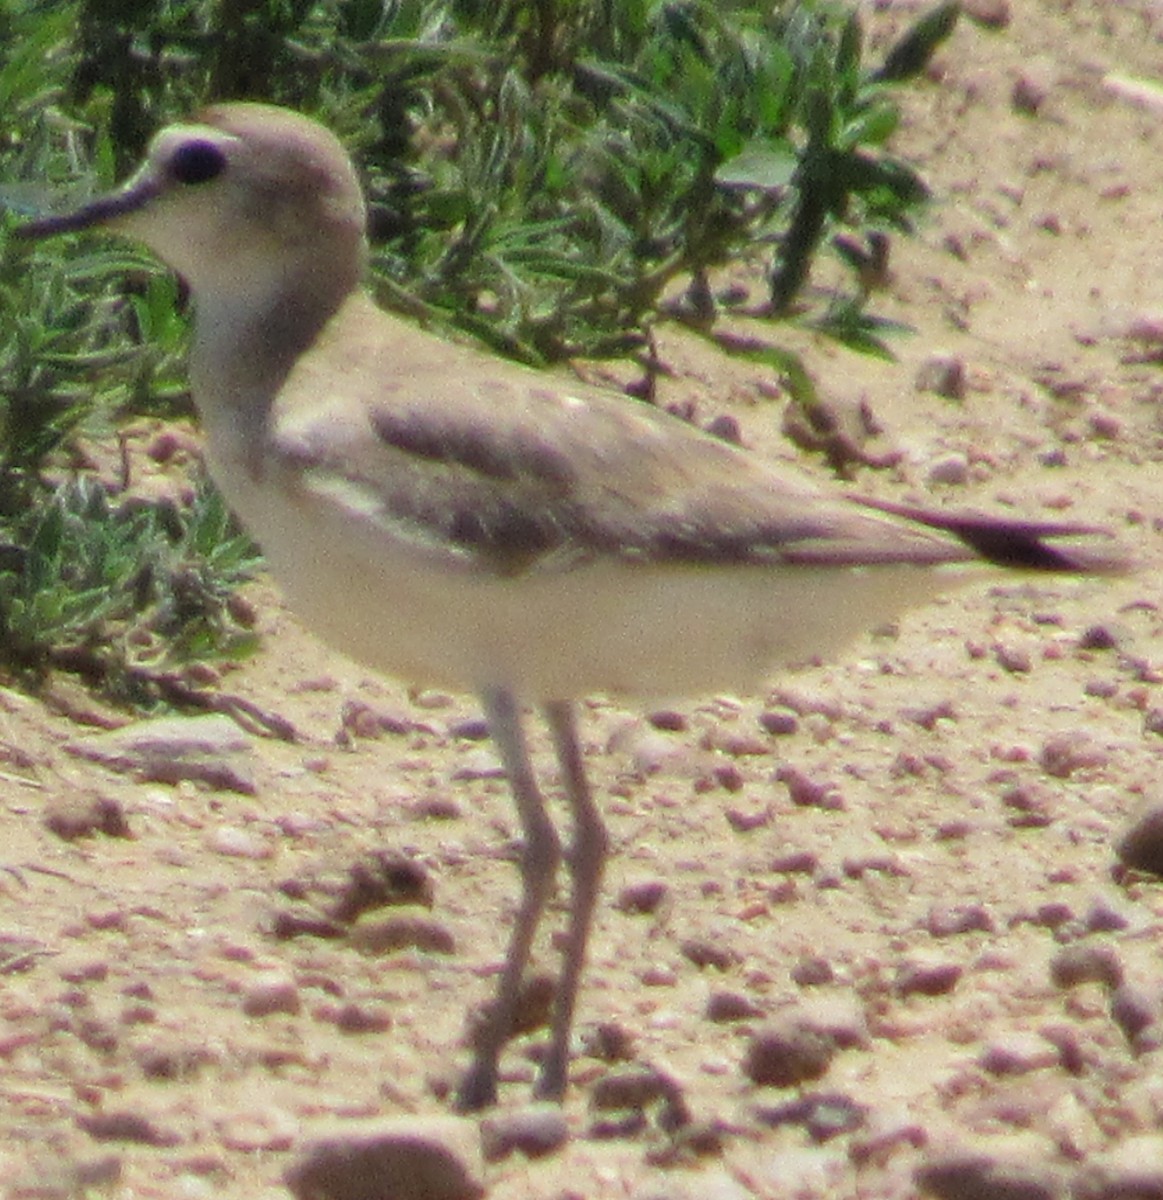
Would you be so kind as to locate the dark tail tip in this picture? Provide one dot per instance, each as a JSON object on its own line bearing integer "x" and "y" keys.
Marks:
{"x": 1024, "y": 545}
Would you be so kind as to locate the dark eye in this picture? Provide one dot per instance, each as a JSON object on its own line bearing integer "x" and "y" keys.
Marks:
{"x": 197, "y": 162}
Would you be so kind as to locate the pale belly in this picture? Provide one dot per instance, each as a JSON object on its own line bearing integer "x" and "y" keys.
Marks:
{"x": 630, "y": 630}
{"x": 623, "y": 628}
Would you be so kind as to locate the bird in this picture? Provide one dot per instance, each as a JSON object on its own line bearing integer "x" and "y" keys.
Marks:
{"x": 453, "y": 519}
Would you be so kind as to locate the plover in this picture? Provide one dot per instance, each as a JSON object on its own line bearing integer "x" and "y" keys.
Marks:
{"x": 452, "y": 519}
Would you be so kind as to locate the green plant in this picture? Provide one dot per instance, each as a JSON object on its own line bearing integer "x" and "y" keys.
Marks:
{"x": 543, "y": 173}
{"x": 120, "y": 592}
{"x": 574, "y": 189}
{"x": 841, "y": 172}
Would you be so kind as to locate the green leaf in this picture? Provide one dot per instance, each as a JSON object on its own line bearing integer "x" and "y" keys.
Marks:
{"x": 871, "y": 127}
{"x": 909, "y": 56}
{"x": 851, "y": 326}
{"x": 767, "y": 166}
{"x": 848, "y": 54}
{"x": 889, "y": 183}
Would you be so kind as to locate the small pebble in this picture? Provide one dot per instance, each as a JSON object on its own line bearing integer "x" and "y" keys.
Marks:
{"x": 1140, "y": 845}
{"x": 943, "y": 374}
{"x": 1032, "y": 801}
{"x": 653, "y": 753}
{"x": 789, "y": 1050}
{"x": 1105, "y": 425}
{"x": 239, "y": 843}
{"x": 993, "y": 14}
{"x": 642, "y": 896}
{"x": 436, "y": 808}
{"x": 470, "y": 729}
{"x": 1067, "y": 1040}
{"x": 780, "y": 722}
{"x": 1053, "y": 914}
{"x": 106, "y": 918}
{"x": 636, "y": 1088}
{"x": 795, "y": 862}
{"x": 725, "y": 1007}
{"x": 1145, "y": 327}
{"x": 927, "y": 716}
{"x": 609, "y": 1042}
{"x": 925, "y": 977}
{"x": 1032, "y": 88}
{"x": 737, "y": 743}
{"x": 1015, "y": 659}
{"x": 426, "y": 1158}
{"x": 985, "y": 1175}
{"x": 1103, "y": 689}
{"x": 1106, "y": 915}
{"x": 121, "y": 1125}
{"x": 1086, "y": 962}
{"x": 356, "y": 1017}
{"x": 824, "y": 1115}
{"x": 1018, "y": 1053}
{"x": 865, "y": 862}
{"x": 138, "y": 1014}
{"x": 403, "y": 931}
{"x": 669, "y": 720}
{"x": 77, "y": 816}
{"x": 83, "y": 970}
{"x": 1064, "y": 753}
{"x": 1134, "y": 1009}
{"x": 297, "y": 825}
{"x": 659, "y": 975}
{"x": 747, "y": 820}
{"x": 948, "y": 920}
{"x": 535, "y": 1131}
{"x": 804, "y": 702}
{"x": 950, "y": 469}
{"x": 164, "y": 1059}
{"x": 813, "y": 970}
{"x": 272, "y": 993}
{"x": 726, "y": 427}
{"x": 705, "y": 952}
{"x": 806, "y": 792}
{"x": 729, "y": 777}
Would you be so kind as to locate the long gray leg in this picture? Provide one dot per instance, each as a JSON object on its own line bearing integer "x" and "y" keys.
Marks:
{"x": 540, "y": 858}
{"x": 587, "y": 859}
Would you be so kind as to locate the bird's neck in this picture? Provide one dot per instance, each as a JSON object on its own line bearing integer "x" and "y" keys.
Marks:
{"x": 246, "y": 343}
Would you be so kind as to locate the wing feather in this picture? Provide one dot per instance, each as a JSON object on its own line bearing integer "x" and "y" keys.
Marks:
{"x": 505, "y": 473}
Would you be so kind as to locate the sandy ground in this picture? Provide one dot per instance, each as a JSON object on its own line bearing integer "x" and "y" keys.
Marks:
{"x": 967, "y": 775}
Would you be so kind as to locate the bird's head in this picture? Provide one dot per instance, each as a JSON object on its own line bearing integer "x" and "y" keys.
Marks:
{"x": 238, "y": 192}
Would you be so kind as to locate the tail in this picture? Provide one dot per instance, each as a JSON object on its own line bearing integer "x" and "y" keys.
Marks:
{"x": 1030, "y": 545}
